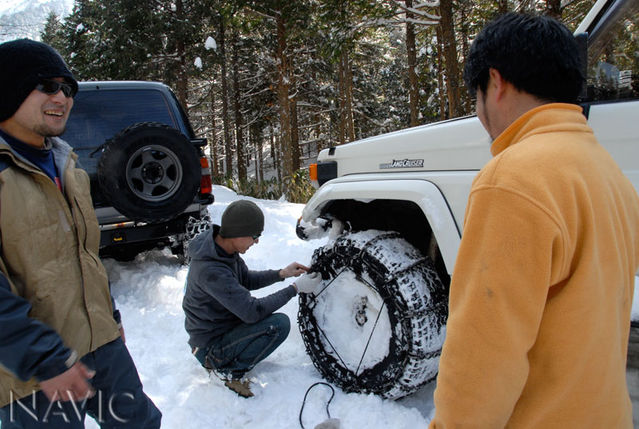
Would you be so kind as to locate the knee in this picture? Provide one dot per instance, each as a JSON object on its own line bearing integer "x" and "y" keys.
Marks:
{"x": 281, "y": 323}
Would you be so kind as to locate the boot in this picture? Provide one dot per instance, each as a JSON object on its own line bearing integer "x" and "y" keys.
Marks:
{"x": 240, "y": 387}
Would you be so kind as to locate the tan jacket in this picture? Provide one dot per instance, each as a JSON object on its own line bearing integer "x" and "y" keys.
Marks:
{"x": 542, "y": 290}
{"x": 49, "y": 253}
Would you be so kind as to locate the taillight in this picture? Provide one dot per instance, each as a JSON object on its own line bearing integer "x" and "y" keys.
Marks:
{"x": 206, "y": 185}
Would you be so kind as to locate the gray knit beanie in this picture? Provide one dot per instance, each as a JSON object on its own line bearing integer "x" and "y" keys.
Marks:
{"x": 242, "y": 218}
{"x": 24, "y": 63}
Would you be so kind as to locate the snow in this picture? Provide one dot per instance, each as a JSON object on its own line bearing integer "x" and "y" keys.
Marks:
{"x": 17, "y": 6}
{"x": 149, "y": 293}
{"x": 210, "y": 43}
{"x": 198, "y": 62}
{"x": 26, "y": 18}
{"x": 350, "y": 340}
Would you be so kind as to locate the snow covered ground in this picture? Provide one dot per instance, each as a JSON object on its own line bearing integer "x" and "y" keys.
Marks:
{"x": 149, "y": 291}
{"x": 149, "y": 294}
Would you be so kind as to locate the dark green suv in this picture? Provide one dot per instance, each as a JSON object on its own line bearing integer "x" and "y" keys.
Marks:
{"x": 150, "y": 179}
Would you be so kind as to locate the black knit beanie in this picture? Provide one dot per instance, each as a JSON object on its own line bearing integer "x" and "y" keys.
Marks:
{"x": 23, "y": 64}
{"x": 242, "y": 218}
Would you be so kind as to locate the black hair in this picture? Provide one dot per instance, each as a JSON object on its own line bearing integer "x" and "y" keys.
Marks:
{"x": 536, "y": 54}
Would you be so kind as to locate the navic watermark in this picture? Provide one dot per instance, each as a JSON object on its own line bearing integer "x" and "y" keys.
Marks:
{"x": 106, "y": 407}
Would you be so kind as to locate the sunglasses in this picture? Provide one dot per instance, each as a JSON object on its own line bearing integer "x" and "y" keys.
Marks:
{"x": 255, "y": 237}
{"x": 52, "y": 87}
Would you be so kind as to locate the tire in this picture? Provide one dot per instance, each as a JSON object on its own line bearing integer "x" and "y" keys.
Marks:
{"x": 378, "y": 323}
{"x": 149, "y": 172}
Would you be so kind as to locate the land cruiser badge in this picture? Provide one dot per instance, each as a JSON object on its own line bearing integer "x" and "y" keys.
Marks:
{"x": 403, "y": 163}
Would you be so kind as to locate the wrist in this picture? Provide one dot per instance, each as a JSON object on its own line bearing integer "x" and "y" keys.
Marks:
{"x": 56, "y": 368}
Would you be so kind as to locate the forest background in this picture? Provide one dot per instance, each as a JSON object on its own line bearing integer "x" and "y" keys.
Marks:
{"x": 269, "y": 83}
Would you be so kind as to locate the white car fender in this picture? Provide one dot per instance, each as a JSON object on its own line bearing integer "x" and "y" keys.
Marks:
{"x": 423, "y": 193}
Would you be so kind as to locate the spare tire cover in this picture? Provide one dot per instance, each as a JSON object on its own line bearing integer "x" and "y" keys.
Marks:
{"x": 149, "y": 172}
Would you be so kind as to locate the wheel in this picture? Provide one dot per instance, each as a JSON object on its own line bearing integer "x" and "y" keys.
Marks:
{"x": 149, "y": 172}
{"x": 377, "y": 324}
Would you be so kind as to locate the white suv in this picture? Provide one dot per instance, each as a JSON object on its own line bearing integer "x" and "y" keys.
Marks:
{"x": 396, "y": 204}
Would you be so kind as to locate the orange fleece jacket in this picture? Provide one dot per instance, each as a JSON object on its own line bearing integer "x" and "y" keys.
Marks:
{"x": 542, "y": 289}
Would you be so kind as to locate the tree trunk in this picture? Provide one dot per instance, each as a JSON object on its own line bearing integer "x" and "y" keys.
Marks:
{"x": 318, "y": 133}
{"x": 411, "y": 52}
{"x": 273, "y": 151}
{"x": 277, "y": 155}
{"x": 440, "y": 74}
{"x": 239, "y": 120}
{"x": 350, "y": 121}
{"x": 213, "y": 137}
{"x": 182, "y": 77}
{"x": 295, "y": 135}
{"x": 553, "y": 9}
{"x": 345, "y": 85}
{"x": 228, "y": 144}
{"x": 295, "y": 131}
{"x": 450, "y": 57}
{"x": 283, "y": 84}
{"x": 259, "y": 159}
{"x": 468, "y": 105}
{"x": 502, "y": 7}
{"x": 341, "y": 103}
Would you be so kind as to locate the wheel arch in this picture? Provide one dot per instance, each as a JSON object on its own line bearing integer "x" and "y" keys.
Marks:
{"x": 415, "y": 208}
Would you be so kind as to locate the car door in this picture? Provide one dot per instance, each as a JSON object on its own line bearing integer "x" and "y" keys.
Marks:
{"x": 612, "y": 101}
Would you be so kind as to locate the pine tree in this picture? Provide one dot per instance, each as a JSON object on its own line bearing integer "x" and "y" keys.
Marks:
{"x": 52, "y": 32}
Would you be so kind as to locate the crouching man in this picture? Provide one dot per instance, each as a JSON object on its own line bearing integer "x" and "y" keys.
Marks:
{"x": 231, "y": 331}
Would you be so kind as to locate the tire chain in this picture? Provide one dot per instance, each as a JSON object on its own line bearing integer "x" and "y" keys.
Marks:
{"x": 413, "y": 365}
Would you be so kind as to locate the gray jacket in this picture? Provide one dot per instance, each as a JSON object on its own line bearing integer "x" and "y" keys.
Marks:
{"x": 218, "y": 286}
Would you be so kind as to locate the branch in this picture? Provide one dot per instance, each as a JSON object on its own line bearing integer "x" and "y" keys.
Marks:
{"x": 415, "y": 9}
{"x": 416, "y": 21}
{"x": 259, "y": 13}
{"x": 565, "y": 3}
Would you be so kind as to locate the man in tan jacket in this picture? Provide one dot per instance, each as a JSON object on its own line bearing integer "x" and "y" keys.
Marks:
{"x": 542, "y": 289}
{"x": 61, "y": 351}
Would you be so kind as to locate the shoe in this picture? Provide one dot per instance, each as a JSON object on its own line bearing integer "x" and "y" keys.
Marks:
{"x": 240, "y": 387}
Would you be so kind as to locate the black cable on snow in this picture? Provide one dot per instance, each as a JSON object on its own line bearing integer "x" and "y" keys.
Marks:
{"x": 327, "y": 404}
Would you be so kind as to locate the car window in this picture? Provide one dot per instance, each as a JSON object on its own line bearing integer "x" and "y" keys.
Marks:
{"x": 613, "y": 55}
{"x": 99, "y": 115}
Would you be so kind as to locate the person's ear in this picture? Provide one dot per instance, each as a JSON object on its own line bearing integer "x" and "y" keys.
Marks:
{"x": 500, "y": 85}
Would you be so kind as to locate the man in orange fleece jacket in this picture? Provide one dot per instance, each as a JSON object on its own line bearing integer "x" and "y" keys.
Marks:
{"x": 542, "y": 289}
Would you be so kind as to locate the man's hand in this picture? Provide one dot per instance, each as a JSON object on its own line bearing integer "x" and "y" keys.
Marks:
{"x": 71, "y": 385}
{"x": 293, "y": 270}
{"x": 308, "y": 283}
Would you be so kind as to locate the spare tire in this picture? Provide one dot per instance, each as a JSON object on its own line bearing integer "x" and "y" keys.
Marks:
{"x": 149, "y": 172}
{"x": 377, "y": 322}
